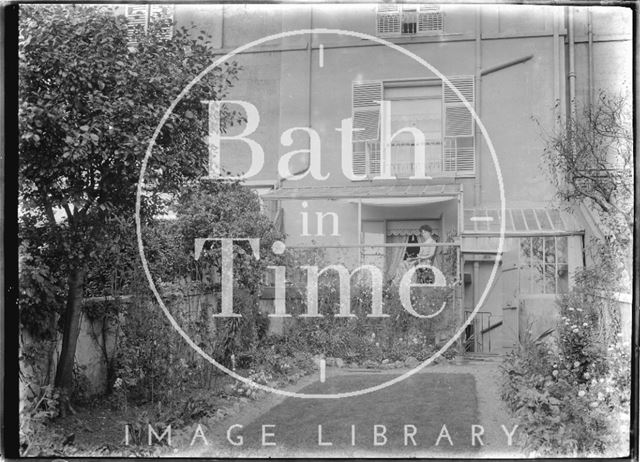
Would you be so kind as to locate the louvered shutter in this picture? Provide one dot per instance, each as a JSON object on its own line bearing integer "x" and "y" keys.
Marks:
{"x": 459, "y": 140}
{"x": 359, "y": 160}
{"x": 365, "y": 97}
{"x": 163, "y": 15}
{"x": 139, "y": 17}
{"x": 430, "y": 19}
{"x": 136, "y": 21}
{"x": 388, "y": 19}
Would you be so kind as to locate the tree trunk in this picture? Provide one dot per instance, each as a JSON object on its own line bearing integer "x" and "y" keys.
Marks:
{"x": 64, "y": 372}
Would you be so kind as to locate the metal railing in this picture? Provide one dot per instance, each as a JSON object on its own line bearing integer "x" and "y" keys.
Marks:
{"x": 437, "y": 162}
{"x": 477, "y": 330}
{"x": 388, "y": 257}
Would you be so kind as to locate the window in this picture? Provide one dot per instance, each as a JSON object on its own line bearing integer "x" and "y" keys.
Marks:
{"x": 400, "y": 20}
{"x": 421, "y": 108}
{"x": 543, "y": 263}
{"x": 428, "y": 106}
{"x": 139, "y": 17}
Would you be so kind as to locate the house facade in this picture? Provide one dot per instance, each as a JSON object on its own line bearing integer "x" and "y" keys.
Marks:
{"x": 418, "y": 155}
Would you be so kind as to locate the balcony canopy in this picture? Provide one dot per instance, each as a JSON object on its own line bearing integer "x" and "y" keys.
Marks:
{"x": 371, "y": 194}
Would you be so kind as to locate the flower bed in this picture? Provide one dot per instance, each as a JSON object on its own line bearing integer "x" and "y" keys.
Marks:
{"x": 570, "y": 393}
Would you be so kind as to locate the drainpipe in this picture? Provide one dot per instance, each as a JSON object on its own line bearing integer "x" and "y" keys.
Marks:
{"x": 590, "y": 96}
{"x": 222, "y": 26}
{"x": 478, "y": 78}
{"x": 556, "y": 69}
{"x": 476, "y": 293}
{"x": 309, "y": 58}
{"x": 572, "y": 64}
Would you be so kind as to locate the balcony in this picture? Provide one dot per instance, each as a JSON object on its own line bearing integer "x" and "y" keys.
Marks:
{"x": 392, "y": 260}
{"x": 456, "y": 159}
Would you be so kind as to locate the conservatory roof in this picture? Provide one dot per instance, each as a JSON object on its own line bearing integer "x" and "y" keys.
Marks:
{"x": 364, "y": 192}
{"x": 520, "y": 220}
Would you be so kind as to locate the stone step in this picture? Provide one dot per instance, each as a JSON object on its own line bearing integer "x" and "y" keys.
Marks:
{"x": 483, "y": 356}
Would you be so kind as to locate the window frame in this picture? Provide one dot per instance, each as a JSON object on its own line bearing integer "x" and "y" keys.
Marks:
{"x": 144, "y": 14}
{"x": 396, "y": 13}
{"x": 445, "y": 104}
{"x": 534, "y": 273}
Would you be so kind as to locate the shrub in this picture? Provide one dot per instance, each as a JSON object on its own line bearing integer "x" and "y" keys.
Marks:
{"x": 361, "y": 338}
{"x": 571, "y": 392}
{"x": 34, "y": 416}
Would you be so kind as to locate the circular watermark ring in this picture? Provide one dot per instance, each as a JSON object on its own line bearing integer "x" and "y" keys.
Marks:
{"x": 186, "y": 337}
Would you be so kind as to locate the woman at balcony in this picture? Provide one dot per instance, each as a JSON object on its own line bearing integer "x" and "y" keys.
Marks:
{"x": 426, "y": 255}
{"x": 419, "y": 255}
{"x": 427, "y": 252}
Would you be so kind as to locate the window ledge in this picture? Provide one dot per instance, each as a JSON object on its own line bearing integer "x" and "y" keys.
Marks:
{"x": 453, "y": 176}
{"x": 420, "y": 35}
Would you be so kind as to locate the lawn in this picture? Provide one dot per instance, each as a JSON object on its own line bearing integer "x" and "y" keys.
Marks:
{"x": 426, "y": 401}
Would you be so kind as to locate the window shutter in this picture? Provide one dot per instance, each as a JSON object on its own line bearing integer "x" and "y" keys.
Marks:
{"x": 136, "y": 21}
{"x": 359, "y": 161}
{"x": 430, "y": 19}
{"x": 163, "y": 14}
{"x": 365, "y": 112}
{"x": 459, "y": 139}
{"x": 139, "y": 17}
{"x": 388, "y": 19}
{"x": 365, "y": 98}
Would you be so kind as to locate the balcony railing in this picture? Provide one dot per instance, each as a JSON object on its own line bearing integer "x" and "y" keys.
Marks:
{"x": 437, "y": 162}
{"x": 403, "y": 159}
{"x": 436, "y": 295}
{"x": 392, "y": 259}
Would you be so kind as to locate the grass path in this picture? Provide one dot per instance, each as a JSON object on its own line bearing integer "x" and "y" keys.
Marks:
{"x": 457, "y": 396}
{"x": 421, "y": 404}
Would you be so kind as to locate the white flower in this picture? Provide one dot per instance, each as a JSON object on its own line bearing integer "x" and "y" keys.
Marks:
{"x": 576, "y": 364}
{"x": 585, "y": 324}
{"x": 575, "y": 331}
{"x": 570, "y": 309}
{"x": 554, "y": 373}
{"x": 594, "y": 404}
{"x": 578, "y": 309}
{"x": 581, "y": 393}
{"x": 600, "y": 396}
{"x": 587, "y": 375}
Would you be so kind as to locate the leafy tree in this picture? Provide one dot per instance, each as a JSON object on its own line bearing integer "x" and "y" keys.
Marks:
{"x": 590, "y": 162}
{"x": 88, "y": 105}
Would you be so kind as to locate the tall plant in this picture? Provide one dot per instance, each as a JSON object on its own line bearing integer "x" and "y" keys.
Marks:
{"x": 87, "y": 106}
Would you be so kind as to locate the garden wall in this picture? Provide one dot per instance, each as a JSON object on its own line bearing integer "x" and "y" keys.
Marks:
{"x": 89, "y": 357}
